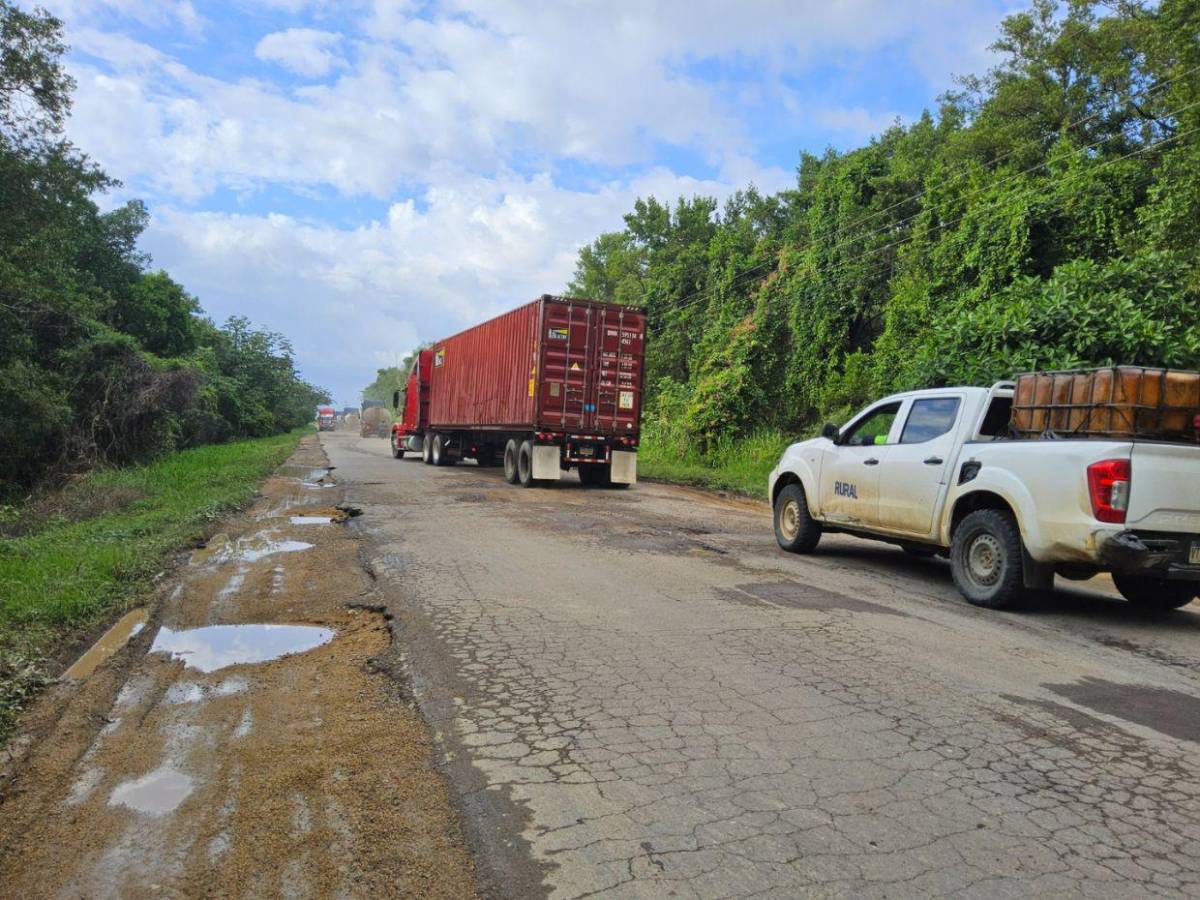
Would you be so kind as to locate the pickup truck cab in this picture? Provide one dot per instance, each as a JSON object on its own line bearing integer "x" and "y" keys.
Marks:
{"x": 936, "y": 472}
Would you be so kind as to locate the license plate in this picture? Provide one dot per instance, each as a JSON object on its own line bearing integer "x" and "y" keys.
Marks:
{"x": 588, "y": 451}
{"x": 1194, "y": 555}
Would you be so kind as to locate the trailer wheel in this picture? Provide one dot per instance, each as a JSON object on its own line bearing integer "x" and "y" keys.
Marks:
{"x": 986, "y": 560}
{"x": 441, "y": 453}
{"x": 1154, "y": 594}
{"x": 397, "y": 450}
{"x": 525, "y": 464}
{"x": 512, "y": 453}
{"x": 427, "y": 450}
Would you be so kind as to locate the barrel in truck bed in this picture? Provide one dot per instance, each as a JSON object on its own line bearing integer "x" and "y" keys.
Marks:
{"x": 558, "y": 363}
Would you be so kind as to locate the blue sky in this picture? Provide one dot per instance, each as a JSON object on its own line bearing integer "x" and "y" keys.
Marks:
{"x": 365, "y": 175}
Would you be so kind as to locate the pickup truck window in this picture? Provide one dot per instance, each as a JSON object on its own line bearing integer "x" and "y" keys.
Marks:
{"x": 995, "y": 422}
{"x": 929, "y": 418}
{"x": 874, "y": 429}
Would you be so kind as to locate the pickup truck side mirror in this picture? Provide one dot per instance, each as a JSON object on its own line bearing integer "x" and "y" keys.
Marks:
{"x": 395, "y": 399}
{"x": 830, "y": 431}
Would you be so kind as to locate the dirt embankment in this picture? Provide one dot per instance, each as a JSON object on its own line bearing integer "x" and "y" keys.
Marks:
{"x": 211, "y": 757}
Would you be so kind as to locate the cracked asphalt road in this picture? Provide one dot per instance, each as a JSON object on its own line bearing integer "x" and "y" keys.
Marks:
{"x": 634, "y": 693}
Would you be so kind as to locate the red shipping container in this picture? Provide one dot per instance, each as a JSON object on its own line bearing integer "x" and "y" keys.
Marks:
{"x": 558, "y": 363}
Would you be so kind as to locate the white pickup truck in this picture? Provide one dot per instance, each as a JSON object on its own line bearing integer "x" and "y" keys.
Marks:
{"x": 935, "y": 472}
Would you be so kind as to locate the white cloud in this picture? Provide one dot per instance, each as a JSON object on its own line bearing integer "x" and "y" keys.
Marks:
{"x": 856, "y": 121}
{"x": 304, "y": 51}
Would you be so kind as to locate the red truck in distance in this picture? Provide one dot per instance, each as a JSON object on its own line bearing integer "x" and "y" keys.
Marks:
{"x": 551, "y": 386}
{"x": 326, "y": 418}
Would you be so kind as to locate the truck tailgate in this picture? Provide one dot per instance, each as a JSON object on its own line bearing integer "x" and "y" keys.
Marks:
{"x": 1165, "y": 488}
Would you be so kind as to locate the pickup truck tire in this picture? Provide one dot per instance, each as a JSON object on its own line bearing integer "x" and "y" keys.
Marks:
{"x": 796, "y": 531}
{"x": 987, "y": 560}
{"x": 512, "y": 452}
{"x": 1154, "y": 594}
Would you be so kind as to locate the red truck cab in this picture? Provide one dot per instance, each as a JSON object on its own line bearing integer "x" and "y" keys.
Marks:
{"x": 326, "y": 418}
{"x": 408, "y": 435}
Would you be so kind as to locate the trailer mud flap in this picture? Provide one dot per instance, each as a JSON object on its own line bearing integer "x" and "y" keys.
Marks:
{"x": 546, "y": 463}
{"x": 624, "y": 467}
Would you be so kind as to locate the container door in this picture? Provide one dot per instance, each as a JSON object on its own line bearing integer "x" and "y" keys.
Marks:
{"x": 620, "y": 338}
{"x": 566, "y": 361}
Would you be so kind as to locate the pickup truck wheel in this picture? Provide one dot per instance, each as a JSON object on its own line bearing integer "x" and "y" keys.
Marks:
{"x": 986, "y": 560}
{"x": 795, "y": 529}
{"x": 512, "y": 453}
{"x": 427, "y": 450}
{"x": 525, "y": 464}
{"x": 397, "y": 450}
{"x": 1154, "y": 594}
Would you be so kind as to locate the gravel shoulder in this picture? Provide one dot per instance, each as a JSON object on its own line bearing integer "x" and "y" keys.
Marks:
{"x": 240, "y": 761}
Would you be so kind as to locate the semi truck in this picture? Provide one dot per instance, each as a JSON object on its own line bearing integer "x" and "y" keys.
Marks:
{"x": 326, "y": 418}
{"x": 1067, "y": 474}
{"x": 551, "y": 386}
{"x": 374, "y": 420}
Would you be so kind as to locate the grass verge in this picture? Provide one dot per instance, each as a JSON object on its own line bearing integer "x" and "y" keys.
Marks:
{"x": 731, "y": 464}
{"x": 72, "y": 571}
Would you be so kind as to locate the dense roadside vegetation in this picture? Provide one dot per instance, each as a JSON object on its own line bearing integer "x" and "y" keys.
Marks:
{"x": 71, "y": 561}
{"x": 103, "y": 360}
{"x": 1046, "y": 215}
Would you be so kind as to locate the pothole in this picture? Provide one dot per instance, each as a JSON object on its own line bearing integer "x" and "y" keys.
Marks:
{"x": 218, "y": 646}
{"x": 110, "y": 642}
{"x": 250, "y": 548}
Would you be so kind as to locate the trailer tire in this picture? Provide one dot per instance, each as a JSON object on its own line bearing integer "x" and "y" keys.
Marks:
{"x": 525, "y": 464}
{"x": 512, "y": 454}
{"x": 397, "y": 449}
{"x": 441, "y": 453}
{"x": 1154, "y": 595}
{"x": 427, "y": 450}
{"x": 987, "y": 560}
{"x": 796, "y": 531}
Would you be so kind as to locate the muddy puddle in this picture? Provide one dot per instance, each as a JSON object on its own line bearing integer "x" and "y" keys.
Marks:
{"x": 154, "y": 794}
{"x": 306, "y": 474}
{"x": 110, "y": 642}
{"x": 220, "y": 646}
{"x": 250, "y": 548}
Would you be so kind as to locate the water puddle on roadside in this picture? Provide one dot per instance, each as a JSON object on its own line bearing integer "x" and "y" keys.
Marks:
{"x": 218, "y": 646}
{"x": 155, "y": 793}
{"x": 305, "y": 474}
{"x": 110, "y": 642}
{"x": 251, "y": 548}
{"x": 312, "y": 520}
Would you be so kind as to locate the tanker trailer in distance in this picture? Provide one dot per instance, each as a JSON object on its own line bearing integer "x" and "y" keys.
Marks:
{"x": 553, "y": 385}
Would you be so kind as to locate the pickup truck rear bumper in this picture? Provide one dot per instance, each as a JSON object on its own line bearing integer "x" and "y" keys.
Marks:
{"x": 1156, "y": 553}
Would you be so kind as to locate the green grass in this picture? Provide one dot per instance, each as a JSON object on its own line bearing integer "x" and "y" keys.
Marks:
{"x": 731, "y": 464}
{"x": 68, "y": 573}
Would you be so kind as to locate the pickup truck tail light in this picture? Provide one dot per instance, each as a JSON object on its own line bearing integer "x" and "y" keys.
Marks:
{"x": 1108, "y": 487}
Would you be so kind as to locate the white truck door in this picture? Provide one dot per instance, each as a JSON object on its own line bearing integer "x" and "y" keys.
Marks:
{"x": 915, "y": 470}
{"x": 850, "y": 468}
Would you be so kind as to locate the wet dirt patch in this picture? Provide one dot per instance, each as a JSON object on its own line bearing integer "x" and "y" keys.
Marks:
{"x": 250, "y": 548}
{"x": 1172, "y": 713}
{"x": 220, "y": 646}
{"x": 110, "y": 642}
{"x": 806, "y": 596}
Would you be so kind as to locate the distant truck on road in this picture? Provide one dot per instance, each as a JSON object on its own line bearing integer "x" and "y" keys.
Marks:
{"x": 551, "y": 386}
{"x": 326, "y": 418}
{"x": 1082, "y": 473}
{"x": 374, "y": 420}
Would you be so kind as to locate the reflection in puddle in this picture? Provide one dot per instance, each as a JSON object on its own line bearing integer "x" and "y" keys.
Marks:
{"x": 155, "y": 793}
{"x": 306, "y": 474}
{"x": 217, "y": 646}
{"x": 312, "y": 520}
{"x": 110, "y": 642}
{"x": 250, "y": 549}
{"x": 191, "y": 692}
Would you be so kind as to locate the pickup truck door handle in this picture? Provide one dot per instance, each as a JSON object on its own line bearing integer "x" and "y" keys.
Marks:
{"x": 933, "y": 461}
{"x": 871, "y": 462}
